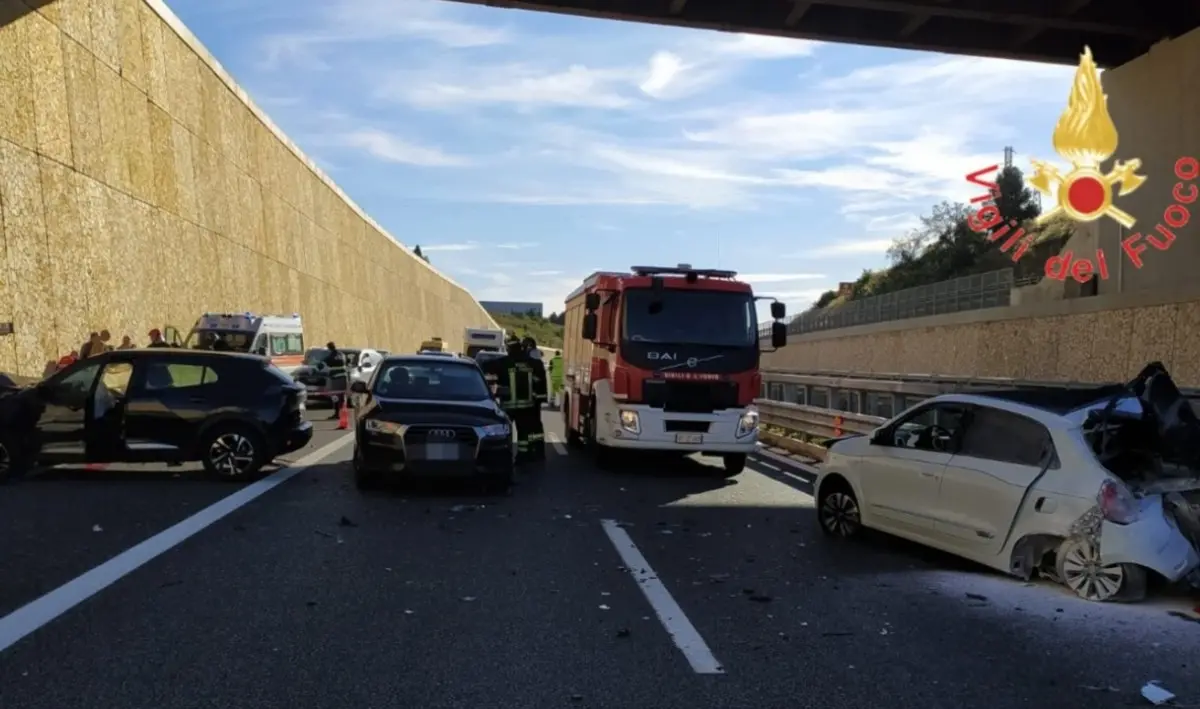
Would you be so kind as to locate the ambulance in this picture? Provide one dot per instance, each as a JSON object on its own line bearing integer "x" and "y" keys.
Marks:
{"x": 477, "y": 340}
{"x": 280, "y": 338}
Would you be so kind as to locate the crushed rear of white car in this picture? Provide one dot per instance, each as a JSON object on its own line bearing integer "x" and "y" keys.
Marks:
{"x": 1092, "y": 488}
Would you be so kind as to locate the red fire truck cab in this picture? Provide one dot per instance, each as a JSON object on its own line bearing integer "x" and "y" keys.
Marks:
{"x": 664, "y": 359}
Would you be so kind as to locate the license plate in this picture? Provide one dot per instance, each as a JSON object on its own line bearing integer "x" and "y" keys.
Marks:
{"x": 689, "y": 438}
{"x": 441, "y": 451}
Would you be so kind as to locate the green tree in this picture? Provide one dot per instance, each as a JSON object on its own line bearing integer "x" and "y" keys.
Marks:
{"x": 944, "y": 246}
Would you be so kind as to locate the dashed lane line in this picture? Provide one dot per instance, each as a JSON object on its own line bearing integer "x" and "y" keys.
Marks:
{"x": 682, "y": 632}
{"x": 37, "y": 613}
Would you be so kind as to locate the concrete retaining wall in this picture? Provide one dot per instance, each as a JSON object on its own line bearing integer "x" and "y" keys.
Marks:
{"x": 1104, "y": 338}
{"x": 139, "y": 186}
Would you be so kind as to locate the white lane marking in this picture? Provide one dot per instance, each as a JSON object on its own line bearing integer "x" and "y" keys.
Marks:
{"x": 682, "y": 632}
{"x": 555, "y": 441}
{"x": 32, "y": 616}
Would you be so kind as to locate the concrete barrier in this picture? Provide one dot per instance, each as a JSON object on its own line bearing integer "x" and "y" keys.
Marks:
{"x": 139, "y": 186}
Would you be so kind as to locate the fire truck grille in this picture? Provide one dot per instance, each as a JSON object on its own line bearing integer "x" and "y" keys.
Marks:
{"x": 691, "y": 397}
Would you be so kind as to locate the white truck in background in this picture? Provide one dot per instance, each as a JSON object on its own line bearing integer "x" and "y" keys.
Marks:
{"x": 476, "y": 340}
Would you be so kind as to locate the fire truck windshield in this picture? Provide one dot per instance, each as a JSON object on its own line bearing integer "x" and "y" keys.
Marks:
{"x": 690, "y": 317}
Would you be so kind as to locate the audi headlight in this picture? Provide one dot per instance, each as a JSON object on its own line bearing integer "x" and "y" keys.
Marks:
{"x": 497, "y": 430}
{"x": 630, "y": 422}
{"x": 747, "y": 424}
{"x": 385, "y": 427}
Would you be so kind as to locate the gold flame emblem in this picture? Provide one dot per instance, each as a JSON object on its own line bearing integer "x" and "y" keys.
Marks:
{"x": 1086, "y": 137}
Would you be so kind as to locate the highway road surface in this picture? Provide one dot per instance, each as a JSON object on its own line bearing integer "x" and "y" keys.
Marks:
{"x": 665, "y": 586}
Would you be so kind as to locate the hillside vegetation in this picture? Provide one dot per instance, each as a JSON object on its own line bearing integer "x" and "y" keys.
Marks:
{"x": 944, "y": 246}
{"x": 547, "y": 332}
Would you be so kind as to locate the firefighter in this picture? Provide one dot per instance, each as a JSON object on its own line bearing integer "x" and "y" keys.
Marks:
{"x": 556, "y": 380}
{"x": 514, "y": 371}
{"x": 537, "y": 432}
{"x": 336, "y": 363}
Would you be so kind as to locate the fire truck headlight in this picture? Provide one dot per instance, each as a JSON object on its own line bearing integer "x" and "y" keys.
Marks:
{"x": 630, "y": 422}
{"x": 747, "y": 424}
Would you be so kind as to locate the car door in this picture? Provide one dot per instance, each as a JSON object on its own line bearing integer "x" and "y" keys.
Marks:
{"x": 902, "y": 470}
{"x": 63, "y": 422}
{"x": 983, "y": 486}
{"x": 106, "y": 422}
{"x": 168, "y": 400}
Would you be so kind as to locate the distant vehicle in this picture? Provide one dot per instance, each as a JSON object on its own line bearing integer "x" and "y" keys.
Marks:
{"x": 476, "y": 340}
{"x": 1096, "y": 487}
{"x": 664, "y": 358}
{"x": 430, "y": 416}
{"x": 324, "y": 386}
{"x": 280, "y": 338}
{"x": 232, "y": 412}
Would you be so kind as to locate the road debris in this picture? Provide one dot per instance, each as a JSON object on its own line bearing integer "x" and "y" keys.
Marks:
{"x": 468, "y": 599}
{"x": 97, "y": 528}
{"x": 604, "y": 607}
{"x": 1155, "y": 694}
{"x": 347, "y": 522}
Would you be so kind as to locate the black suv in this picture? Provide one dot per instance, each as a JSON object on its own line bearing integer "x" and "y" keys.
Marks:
{"x": 233, "y": 412}
{"x": 431, "y": 416}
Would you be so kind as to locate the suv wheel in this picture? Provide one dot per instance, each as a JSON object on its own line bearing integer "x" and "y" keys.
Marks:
{"x": 364, "y": 479}
{"x": 232, "y": 452}
{"x": 734, "y": 463}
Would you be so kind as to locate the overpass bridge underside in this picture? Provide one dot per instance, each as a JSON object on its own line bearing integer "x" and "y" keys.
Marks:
{"x": 1038, "y": 30}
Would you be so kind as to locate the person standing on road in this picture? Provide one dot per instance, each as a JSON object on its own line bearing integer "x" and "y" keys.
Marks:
{"x": 337, "y": 374}
{"x": 537, "y": 432}
{"x": 127, "y": 343}
{"x": 93, "y": 346}
{"x": 156, "y": 339}
{"x": 105, "y": 338}
{"x": 513, "y": 373}
{"x": 556, "y": 379}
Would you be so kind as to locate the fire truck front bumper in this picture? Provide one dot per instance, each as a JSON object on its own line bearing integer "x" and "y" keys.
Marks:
{"x": 640, "y": 427}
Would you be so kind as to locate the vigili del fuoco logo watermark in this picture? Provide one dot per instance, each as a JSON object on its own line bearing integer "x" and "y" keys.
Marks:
{"x": 1086, "y": 136}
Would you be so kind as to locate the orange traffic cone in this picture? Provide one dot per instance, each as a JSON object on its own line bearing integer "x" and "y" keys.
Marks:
{"x": 343, "y": 417}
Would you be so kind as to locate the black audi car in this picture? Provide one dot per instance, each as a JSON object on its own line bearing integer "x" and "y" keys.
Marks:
{"x": 431, "y": 416}
{"x": 232, "y": 412}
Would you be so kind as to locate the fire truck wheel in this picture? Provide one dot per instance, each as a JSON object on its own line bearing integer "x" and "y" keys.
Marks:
{"x": 602, "y": 454}
{"x": 735, "y": 463}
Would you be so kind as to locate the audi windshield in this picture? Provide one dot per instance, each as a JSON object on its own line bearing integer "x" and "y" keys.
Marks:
{"x": 431, "y": 381}
{"x": 690, "y": 317}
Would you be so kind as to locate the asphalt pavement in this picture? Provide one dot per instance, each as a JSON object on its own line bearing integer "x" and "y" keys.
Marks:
{"x": 664, "y": 585}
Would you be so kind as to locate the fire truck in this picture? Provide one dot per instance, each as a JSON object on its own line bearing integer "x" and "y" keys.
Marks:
{"x": 665, "y": 359}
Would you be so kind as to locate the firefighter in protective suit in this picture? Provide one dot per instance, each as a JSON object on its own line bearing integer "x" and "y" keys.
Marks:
{"x": 541, "y": 394}
{"x": 516, "y": 372}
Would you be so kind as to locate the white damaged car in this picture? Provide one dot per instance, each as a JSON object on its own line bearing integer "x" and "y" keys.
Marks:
{"x": 1096, "y": 488}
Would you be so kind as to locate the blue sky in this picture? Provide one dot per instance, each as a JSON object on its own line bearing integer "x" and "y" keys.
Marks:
{"x": 522, "y": 150}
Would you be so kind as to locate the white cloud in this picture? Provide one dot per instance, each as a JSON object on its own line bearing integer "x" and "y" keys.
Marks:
{"x": 463, "y": 246}
{"x": 514, "y": 84}
{"x": 514, "y": 245}
{"x": 847, "y": 248}
{"x": 357, "y": 22}
{"x": 756, "y": 278}
{"x": 389, "y": 148}
{"x": 664, "y": 68}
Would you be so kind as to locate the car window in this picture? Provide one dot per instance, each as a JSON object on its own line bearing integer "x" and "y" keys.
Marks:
{"x": 115, "y": 377}
{"x": 935, "y": 428}
{"x": 435, "y": 381}
{"x": 73, "y": 389}
{"x": 162, "y": 376}
{"x": 1006, "y": 437}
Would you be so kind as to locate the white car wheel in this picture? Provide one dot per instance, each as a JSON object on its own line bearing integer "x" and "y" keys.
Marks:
{"x": 838, "y": 511}
{"x": 1080, "y": 569}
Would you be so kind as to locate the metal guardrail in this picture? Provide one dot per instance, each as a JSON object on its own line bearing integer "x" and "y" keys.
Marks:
{"x": 983, "y": 290}
{"x": 827, "y": 404}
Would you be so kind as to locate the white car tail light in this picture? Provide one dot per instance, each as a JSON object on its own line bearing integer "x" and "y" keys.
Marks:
{"x": 1116, "y": 503}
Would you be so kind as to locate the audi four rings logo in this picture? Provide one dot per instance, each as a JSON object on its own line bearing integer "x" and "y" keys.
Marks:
{"x": 442, "y": 433}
